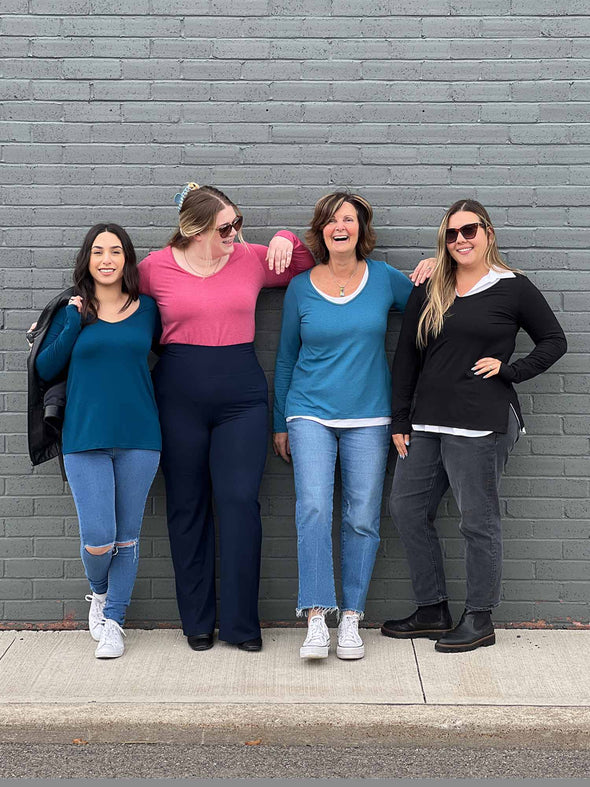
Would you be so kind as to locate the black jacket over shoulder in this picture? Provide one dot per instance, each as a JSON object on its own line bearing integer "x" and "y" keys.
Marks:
{"x": 437, "y": 385}
{"x": 46, "y": 400}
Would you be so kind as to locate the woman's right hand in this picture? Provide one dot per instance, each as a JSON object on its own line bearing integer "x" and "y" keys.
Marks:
{"x": 280, "y": 445}
{"x": 423, "y": 270}
{"x": 401, "y": 443}
{"x": 76, "y": 300}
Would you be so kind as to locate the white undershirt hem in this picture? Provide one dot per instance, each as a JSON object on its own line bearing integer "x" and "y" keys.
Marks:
{"x": 344, "y": 423}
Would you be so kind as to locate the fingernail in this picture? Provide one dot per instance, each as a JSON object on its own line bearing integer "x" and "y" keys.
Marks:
{"x": 407, "y": 442}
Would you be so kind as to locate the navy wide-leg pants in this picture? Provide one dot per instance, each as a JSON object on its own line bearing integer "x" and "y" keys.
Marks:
{"x": 213, "y": 404}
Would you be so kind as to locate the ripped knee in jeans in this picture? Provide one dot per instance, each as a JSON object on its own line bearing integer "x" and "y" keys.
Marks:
{"x": 126, "y": 544}
{"x": 98, "y": 550}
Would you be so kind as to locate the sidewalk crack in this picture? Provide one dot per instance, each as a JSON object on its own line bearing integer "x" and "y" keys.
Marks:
{"x": 7, "y": 649}
{"x": 418, "y": 671}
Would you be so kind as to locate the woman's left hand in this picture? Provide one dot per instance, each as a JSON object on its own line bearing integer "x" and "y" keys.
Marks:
{"x": 279, "y": 254}
{"x": 487, "y": 366}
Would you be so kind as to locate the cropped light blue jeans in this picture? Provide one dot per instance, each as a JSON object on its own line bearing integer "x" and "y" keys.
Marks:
{"x": 110, "y": 487}
{"x": 363, "y": 458}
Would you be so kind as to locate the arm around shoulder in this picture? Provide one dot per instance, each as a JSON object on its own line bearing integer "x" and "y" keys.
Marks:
{"x": 401, "y": 287}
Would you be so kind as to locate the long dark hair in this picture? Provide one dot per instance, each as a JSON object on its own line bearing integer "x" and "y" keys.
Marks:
{"x": 83, "y": 281}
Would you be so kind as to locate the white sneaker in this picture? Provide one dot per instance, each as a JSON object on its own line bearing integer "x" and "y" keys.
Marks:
{"x": 350, "y": 645}
{"x": 96, "y": 614}
{"x": 111, "y": 644}
{"x": 317, "y": 642}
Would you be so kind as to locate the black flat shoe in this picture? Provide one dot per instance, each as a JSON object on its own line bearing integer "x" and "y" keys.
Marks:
{"x": 474, "y": 630}
{"x": 251, "y": 645}
{"x": 200, "y": 641}
{"x": 430, "y": 621}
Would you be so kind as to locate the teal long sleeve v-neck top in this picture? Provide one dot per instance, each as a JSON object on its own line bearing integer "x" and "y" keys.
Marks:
{"x": 331, "y": 361}
{"x": 110, "y": 400}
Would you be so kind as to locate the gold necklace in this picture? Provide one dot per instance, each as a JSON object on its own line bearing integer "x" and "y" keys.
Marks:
{"x": 198, "y": 273}
{"x": 346, "y": 283}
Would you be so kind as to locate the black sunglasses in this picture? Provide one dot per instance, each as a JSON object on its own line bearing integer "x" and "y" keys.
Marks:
{"x": 236, "y": 224}
{"x": 468, "y": 231}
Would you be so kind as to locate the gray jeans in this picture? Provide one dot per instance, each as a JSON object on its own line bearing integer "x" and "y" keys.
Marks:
{"x": 472, "y": 467}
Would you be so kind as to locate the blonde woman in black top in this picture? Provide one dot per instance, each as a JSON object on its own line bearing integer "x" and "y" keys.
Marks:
{"x": 456, "y": 418}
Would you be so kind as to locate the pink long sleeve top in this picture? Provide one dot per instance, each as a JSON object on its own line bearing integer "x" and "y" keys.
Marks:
{"x": 217, "y": 310}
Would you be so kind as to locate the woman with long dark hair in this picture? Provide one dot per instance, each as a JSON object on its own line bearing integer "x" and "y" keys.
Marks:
{"x": 456, "y": 417}
{"x": 111, "y": 435}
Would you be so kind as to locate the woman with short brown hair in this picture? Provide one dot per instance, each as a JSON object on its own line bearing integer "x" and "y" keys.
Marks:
{"x": 332, "y": 385}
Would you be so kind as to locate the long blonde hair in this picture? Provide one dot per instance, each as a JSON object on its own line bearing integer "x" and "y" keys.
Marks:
{"x": 440, "y": 288}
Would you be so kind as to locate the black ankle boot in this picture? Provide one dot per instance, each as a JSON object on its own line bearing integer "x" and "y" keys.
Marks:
{"x": 474, "y": 630}
{"x": 430, "y": 621}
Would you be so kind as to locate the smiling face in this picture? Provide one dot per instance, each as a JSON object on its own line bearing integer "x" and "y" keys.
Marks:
{"x": 107, "y": 259}
{"x": 216, "y": 246}
{"x": 468, "y": 252}
{"x": 341, "y": 233}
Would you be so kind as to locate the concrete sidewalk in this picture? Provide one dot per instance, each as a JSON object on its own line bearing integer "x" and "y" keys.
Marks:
{"x": 532, "y": 688}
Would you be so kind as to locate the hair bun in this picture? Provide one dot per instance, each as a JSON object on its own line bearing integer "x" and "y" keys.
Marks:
{"x": 179, "y": 198}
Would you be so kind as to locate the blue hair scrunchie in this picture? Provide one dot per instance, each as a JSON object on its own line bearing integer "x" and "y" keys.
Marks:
{"x": 179, "y": 198}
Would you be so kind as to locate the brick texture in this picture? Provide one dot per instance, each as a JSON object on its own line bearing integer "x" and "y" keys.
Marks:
{"x": 108, "y": 107}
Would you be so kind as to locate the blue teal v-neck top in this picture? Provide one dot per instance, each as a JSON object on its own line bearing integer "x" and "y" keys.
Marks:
{"x": 110, "y": 399}
{"x": 331, "y": 361}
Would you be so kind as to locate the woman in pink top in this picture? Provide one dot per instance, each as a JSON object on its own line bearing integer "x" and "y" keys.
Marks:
{"x": 212, "y": 397}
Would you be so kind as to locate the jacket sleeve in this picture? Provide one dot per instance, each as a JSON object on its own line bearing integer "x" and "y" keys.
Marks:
{"x": 288, "y": 353}
{"x": 59, "y": 341}
{"x": 537, "y": 319}
{"x": 406, "y": 364}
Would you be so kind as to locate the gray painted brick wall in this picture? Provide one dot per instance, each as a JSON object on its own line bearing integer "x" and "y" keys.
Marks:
{"x": 109, "y": 106}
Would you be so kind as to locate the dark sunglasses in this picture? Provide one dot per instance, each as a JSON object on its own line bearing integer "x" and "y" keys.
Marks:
{"x": 236, "y": 225}
{"x": 468, "y": 231}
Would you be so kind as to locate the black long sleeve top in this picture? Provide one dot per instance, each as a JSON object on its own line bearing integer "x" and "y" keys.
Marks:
{"x": 437, "y": 386}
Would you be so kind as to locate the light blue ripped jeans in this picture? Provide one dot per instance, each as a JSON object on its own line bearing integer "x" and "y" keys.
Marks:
{"x": 110, "y": 487}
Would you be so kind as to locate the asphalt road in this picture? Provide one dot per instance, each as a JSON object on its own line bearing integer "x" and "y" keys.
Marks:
{"x": 169, "y": 761}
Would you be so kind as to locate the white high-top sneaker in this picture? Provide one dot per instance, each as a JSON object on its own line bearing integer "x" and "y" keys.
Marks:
{"x": 111, "y": 644}
{"x": 96, "y": 614}
{"x": 317, "y": 642}
{"x": 350, "y": 645}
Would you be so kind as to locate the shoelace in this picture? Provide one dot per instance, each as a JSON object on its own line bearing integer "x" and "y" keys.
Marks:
{"x": 349, "y": 628}
{"x": 316, "y": 629}
{"x": 111, "y": 628}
